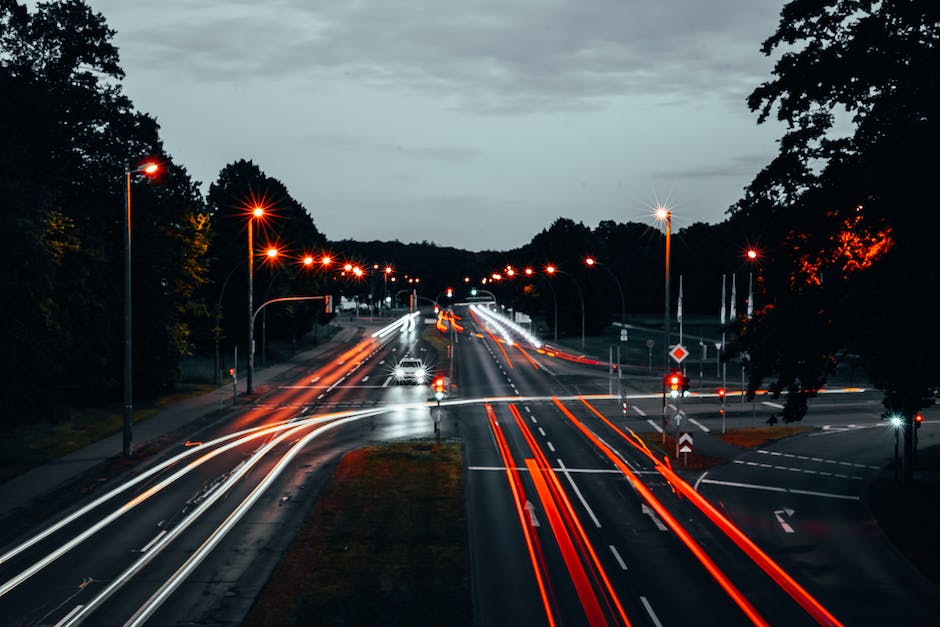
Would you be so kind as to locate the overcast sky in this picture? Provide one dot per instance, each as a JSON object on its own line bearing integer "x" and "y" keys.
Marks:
{"x": 469, "y": 123}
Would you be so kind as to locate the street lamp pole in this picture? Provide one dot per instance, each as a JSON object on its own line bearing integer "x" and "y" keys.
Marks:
{"x": 591, "y": 261}
{"x": 128, "y": 438}
{"x": 256, "y": 212}
{"x": 666, "y": 215}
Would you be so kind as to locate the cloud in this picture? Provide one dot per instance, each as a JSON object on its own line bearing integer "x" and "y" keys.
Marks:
{"x": 736, "y": 168}
{"x": 482, "y": 55}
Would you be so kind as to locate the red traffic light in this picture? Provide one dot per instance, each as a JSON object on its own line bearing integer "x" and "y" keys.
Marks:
{"x": 439, "y": 384}
{"x": 231, "y": 372}
{"x": 722, "y": 392}
{"x": 918, "y": 419}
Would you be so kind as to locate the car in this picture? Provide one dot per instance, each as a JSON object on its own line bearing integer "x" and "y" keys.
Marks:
{"x": 411, "y": 370}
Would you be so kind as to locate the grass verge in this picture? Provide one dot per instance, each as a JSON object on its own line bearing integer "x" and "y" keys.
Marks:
{"x": 687, "y": 461}
{"x": 759, "y": 436}
{"x": 40, "y": 441}
{"x": 386, "y": 544}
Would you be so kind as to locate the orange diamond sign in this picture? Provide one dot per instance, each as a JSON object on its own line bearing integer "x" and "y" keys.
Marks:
{"x": 679, "y": 352}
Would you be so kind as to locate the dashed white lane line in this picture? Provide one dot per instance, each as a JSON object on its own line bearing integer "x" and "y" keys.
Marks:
{"x": 649, "y": 610}
{"x": 816, "y": 459}
{"x": 365, "y": 378}
{"x": 803, "y": 470}
{"x": 550, "y": 447}
{"x": 638, "y": 410}
{"x": 623, "y": 565}
{"x": 387, "y": 381}
{"x": 542, "y": 431}
{"x": 699, "y": 425}
{"x": 771, "y": 488}
{"x": 770, "y": 404}
{"x": 655, "y": 426}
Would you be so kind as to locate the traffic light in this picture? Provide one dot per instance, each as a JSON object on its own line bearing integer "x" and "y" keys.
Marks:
{"x": 450, "y": 292}
{"x": 722, "y": 393}
{"x": 231, "y": 372}
{"x": 439, "y": 388}
{"x": 674, "y": 383}
{"x": 918, "y": 420}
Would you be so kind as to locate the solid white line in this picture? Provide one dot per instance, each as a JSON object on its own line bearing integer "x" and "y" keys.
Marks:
{"x": 68, "y": 616}
{"x": 699, "y": 481}
{"x": 699, "y": 425}
{"x": 655, "y": 426}
{"x": 752, "y": 486}
{"x": 847, "y": 497}
{"x": 649, "y": 610}
{"x": 564, "y": 471}
{"x": 619, "y": 559}
{"x": 638, "y": 410}
{"x": 152, "y": 542}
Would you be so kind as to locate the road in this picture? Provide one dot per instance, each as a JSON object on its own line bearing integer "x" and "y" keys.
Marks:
{"x": 572, "y": 520}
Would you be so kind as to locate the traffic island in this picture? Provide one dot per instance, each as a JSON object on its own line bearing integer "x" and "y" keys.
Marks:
{"x": 385, "y": 544}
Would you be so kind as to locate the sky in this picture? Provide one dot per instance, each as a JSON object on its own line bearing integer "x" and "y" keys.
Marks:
{"x": 467, "y": 123}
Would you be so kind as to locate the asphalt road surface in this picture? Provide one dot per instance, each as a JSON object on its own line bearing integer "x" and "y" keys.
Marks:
{"x": 573, "y": 521}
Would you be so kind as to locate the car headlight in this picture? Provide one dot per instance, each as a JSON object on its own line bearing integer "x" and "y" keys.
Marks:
{"x": 421, "y": 374}
{"x": 399, "y": 373}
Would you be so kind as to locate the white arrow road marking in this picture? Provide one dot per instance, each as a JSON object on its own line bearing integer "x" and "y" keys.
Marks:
{"x": 779, "y": 514}
{"x": 646, "y": 510}
{"x": 529, "y": 507}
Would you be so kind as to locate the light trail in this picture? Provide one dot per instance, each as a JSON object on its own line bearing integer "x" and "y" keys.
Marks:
{"x": 809, "y": 603}
{"x": 157, "y": 599}
{"x": 742, "y": 602}
{"x": 570, "y": 518}
{"x": 515, "y": 485}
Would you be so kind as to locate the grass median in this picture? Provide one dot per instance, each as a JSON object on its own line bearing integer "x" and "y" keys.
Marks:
{"x": 385, "y": 544}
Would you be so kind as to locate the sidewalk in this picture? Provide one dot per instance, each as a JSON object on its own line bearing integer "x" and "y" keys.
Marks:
{"x": 38, "y": 482}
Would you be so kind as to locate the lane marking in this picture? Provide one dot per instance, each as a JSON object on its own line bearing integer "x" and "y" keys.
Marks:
{"x": 638, "y": 410}
{"x": 771, "y": 404}
{"x": 801, "y": 470}
{"x": 542, "y": 431}
{"x": 583, "y": 471}
{"x": 314, "y": 380}
{"x": 646, "y": 509}
{"x": 699, "y": 425}
{"x": 590, "y": 512}
{"x": 365, "y": 378}
{"x": 550, "y": 447}
{"x": 770, "y": 488}
{"x": 387, "y": 381}
{"x": 649, "y": 610}
{"x": 623, "y": 565}
{"x": 655, "y": 426}
{"x": 69, "y": 616}
{"x": 154, "y": 541}
{"x": 819, "y": 459}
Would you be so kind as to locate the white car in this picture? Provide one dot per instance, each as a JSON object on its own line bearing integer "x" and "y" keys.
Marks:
{"x": 411, "y": 370}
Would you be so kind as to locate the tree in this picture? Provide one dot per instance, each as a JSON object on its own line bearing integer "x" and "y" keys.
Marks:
{"x": 846, "y": 198}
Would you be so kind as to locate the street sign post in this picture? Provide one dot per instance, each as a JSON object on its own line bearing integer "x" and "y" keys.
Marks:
{"x": 684, "y": 445}
{"x": 679, "y": 353}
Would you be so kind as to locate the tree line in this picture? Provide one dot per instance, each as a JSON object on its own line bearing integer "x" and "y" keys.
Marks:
{"x": 844, "y": 221}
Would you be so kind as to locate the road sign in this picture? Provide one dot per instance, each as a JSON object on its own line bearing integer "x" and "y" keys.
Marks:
{"x": 685, "y": 442}
{"x": 650, "y": 343}
{"x": 623, "y": 335}
{"x": 679, "y": 353}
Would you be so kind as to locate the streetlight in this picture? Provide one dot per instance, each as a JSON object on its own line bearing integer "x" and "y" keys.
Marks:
{"x": 665, "y": 215}
{"x": 148, "y": 169}
{"x": 257, "y": 213}
{"x": 751, "y": 257}
{"x": 551, "y": 270}
{"x": 591, "y": 262}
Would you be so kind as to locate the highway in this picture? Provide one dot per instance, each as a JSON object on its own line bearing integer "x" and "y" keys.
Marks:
{"x": 573, "y": 521}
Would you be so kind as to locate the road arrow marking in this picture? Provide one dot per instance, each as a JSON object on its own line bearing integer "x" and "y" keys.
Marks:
{"x": 531, "y": 509}
{"x": 779, "y": 515}
{"x": 646, "y": 510}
